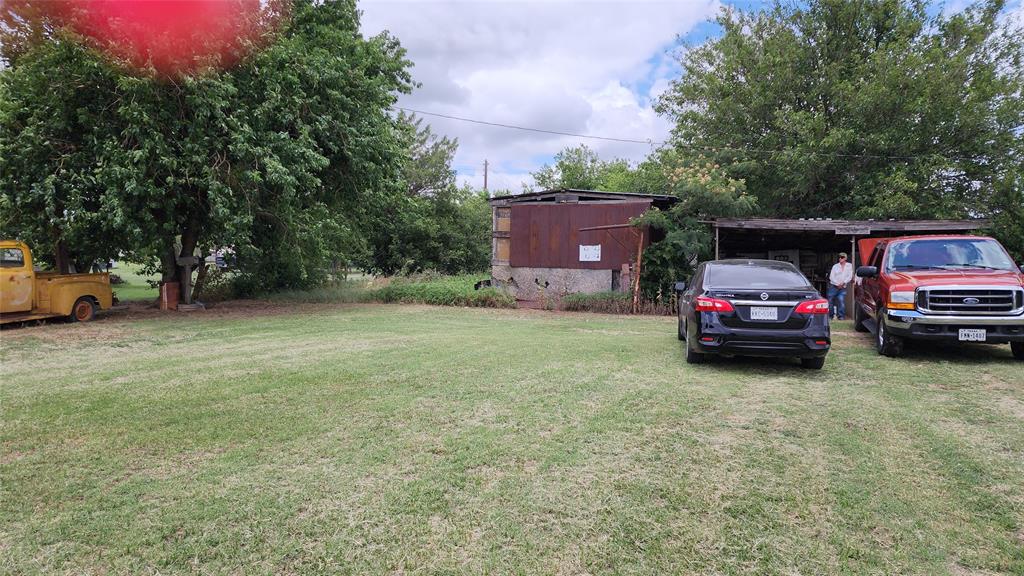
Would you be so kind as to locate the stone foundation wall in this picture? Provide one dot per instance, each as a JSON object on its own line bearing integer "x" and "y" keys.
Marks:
{"x": 528, "y": 283}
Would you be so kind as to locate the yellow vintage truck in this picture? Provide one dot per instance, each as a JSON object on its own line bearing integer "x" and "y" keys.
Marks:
{"x": 29, "y": 295}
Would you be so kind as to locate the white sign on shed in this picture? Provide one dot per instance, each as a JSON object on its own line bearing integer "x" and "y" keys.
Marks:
{"x": 590, "y": 253}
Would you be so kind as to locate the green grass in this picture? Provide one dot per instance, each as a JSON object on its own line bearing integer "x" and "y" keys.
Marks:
{"x": 265, "y": 439}
{"x": 135, "y": 287}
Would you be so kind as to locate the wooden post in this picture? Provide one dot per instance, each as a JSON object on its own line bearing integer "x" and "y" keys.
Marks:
{"x": 636, "y": 273}
{"x": 851, "y": 298}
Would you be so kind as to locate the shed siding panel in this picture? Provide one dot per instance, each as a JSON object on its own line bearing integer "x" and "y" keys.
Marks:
{"x": 549, "y": 236}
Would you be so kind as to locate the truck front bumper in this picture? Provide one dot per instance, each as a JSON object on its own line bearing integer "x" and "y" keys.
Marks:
{"x": 918, "y": 326}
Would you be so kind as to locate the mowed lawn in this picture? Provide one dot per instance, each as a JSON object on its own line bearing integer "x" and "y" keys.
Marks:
{"x": 256, "y": 439}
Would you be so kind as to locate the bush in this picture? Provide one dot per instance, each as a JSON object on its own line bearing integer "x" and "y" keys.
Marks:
{"x": 442, "y": 291}
{"x": 342, "y": 291}
{"x": 610, "y": 302}
{"x": 426, "y": 288}
{"x": 615, "y": 303}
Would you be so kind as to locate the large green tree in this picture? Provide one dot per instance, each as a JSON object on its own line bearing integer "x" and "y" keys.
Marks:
{"x": 280, "y": 157}
{"x": 581, "y": 168}
{"x": 434, "y": 225}
{"x": 872, "y": 109}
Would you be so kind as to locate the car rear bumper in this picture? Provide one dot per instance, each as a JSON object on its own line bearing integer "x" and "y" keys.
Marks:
{"x": 914, "y": 325}
{"x": 746, "y": 342}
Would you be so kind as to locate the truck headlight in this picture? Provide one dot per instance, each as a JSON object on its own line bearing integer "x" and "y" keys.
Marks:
{"x": 901, "y": 300}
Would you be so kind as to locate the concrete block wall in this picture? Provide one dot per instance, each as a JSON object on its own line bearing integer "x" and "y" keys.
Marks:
{"x": 527, "y": 283}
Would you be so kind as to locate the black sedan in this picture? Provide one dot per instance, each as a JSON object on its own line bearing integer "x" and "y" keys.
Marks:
{"x": 753, "y": 308}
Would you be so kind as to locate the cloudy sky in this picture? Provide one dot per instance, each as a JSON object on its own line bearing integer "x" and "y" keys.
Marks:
{"x": 584, "y": 67}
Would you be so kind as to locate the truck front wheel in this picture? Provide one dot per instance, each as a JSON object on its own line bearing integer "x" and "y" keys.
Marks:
{"x": 891, "y": 346}
{"x": 83, "y": 310}
{"x": 1018, "y": 350}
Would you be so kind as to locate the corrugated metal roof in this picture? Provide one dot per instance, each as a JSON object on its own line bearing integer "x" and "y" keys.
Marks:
{"x": 572, "y": 195}
{"x": 824, "y": 225}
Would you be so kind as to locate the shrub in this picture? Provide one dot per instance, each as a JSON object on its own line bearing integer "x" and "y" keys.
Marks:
{"x": 442, "y": 291}
{"x": 610, "y": 302}
{"x": 424, "y": 288}
{"x": 615, "y": 303}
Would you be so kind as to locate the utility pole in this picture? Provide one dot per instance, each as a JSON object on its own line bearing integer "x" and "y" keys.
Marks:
{"x": 485, "y": 175}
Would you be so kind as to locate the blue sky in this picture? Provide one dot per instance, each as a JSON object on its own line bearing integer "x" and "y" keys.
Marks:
{"x": 590, "y": 67}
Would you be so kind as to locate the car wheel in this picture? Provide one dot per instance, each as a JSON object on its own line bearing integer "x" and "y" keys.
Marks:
{"x": 812, "y": 363}
{"x": 859, "y": 318}
{"x": 693, "y": 357}
{"x": 682, "y": 330}
{"x": 83, "y": 310}
{"x": 887, "y": 345}
{"x": 1018, "y": 350}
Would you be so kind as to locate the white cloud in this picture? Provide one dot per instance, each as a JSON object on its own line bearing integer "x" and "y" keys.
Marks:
{"x": 582, "y": 67}
{"x": 1017, "y": 14}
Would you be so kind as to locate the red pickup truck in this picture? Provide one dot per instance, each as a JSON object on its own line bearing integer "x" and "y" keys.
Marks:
{"x": 946, "y": 288}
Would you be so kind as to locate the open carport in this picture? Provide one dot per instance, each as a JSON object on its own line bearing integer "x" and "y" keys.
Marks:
{"x": 813, "y": 245}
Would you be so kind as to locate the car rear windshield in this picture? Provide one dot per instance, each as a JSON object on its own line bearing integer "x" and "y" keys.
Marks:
{"x": 741, "y": 275}
{"x": 948, "y": 254}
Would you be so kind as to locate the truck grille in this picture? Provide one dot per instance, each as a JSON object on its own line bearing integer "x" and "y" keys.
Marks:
{"x": 968, "y": 301}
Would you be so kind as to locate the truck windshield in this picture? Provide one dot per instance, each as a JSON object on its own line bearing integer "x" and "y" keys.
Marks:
{"x": 948, "y": 254}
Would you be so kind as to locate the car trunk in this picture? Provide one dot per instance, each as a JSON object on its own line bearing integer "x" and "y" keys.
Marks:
{"x": 764, "y": 309}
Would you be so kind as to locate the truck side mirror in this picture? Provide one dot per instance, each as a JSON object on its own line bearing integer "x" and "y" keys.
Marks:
{"x": 680, "y": 287}
{"x": 867, "y": 271}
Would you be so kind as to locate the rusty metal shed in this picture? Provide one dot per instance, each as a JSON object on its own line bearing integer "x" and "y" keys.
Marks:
{"x": 556, "y": 242}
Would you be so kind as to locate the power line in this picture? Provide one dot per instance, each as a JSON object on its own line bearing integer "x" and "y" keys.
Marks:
{"x": 659, "y": 143}
{"x": 526, "y": 129}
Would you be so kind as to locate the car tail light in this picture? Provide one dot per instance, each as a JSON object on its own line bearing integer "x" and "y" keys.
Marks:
{"x": 819, "y": 306}
{"x": 706, "y": 304}
{"x": 821, "y": 342}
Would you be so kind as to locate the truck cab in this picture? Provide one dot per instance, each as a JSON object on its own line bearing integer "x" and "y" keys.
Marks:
{"x": 942, "y": 288}
{"x": 26, "y": 294}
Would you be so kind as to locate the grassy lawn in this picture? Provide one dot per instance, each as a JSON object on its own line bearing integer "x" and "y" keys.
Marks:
{"x": 135, "y": 287}
{"x": 408, "y": 439}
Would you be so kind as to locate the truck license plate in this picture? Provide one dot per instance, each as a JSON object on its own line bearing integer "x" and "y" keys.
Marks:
{"x": 972, "y": 335}
{"x": 765, "y": 313}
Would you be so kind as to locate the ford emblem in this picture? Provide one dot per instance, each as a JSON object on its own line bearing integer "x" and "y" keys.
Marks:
{"x": 764, "y": 295}
{"x": 971, "y": 301}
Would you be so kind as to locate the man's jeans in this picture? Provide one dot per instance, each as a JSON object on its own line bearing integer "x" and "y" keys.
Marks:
{"x": 837, "y": 302}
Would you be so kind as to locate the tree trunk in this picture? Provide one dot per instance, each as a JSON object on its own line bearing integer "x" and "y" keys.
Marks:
{"x": 189, "y": 239}
{"x": 169, "y": 263}
{"x": 61, "y": 254}
{"x": 200, "y": 281}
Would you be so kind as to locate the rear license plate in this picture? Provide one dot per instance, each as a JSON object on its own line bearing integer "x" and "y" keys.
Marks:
{"x": 766, "y": 313}
{"x": 972, "y": 335}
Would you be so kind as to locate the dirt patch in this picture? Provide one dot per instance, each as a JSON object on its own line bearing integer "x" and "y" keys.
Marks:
{"x": 1011, "y": 406}
{"x": 959, "y": 570}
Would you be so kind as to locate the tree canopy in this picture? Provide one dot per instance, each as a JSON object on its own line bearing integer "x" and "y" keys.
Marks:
{"x": 581, "y": 168}
{"x": 280, "y": 157}
{"x": 871, "y": 109}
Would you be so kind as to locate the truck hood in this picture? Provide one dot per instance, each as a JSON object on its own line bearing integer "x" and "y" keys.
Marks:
{"x": 965, "y": 277}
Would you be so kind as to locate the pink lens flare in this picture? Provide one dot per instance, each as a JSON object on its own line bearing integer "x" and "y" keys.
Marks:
{"x": 174, "y": 36}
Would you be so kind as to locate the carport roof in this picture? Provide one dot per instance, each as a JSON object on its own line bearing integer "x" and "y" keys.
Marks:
{"x": 853, "y": 227}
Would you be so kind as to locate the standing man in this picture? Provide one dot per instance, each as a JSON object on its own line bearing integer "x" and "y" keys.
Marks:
{"x": 838, "y": 279}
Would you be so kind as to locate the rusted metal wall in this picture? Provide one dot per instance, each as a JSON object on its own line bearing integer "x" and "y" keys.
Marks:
{"x": 549, "y": 236}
